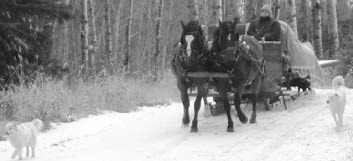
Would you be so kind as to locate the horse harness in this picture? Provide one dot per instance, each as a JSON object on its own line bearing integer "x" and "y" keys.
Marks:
{"x": 199, "y": 49}
{"x": 259, "y": 63}
{"x": 182, "y": 56}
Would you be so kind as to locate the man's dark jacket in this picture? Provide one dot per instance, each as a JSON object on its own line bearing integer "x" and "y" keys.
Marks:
{"x": 265, "y": 27}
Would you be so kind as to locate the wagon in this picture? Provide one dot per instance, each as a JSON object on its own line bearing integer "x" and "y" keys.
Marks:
{"x": 276, "y": 71}
{"x": 270, "y": 88}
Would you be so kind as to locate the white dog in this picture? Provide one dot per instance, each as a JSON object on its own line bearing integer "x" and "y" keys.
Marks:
{"x": 23, "y": 135}
{"x": 337, "y": 101}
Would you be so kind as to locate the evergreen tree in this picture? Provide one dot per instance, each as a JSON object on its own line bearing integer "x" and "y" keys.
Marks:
{"x": 25, "y": 30}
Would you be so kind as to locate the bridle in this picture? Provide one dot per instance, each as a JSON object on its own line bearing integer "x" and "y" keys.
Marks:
{"x": 242, "y": 49}
{"x": 198, "y": 50}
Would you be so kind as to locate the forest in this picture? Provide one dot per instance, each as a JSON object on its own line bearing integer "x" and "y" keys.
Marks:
{"x": 64, "y": 59}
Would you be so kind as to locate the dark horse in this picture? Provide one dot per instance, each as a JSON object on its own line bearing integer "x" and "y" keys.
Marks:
{"x": 191, "y": 57}
{"x": 242, "y": 58}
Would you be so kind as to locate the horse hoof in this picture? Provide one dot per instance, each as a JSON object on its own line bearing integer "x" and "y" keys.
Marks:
{"x": 194, "y": 129}
{"x": 207, "y": 110}
{"x": 243, "y": 119}
{"x": 253, "y": 120}
{"x": 186, "y": 121}
{"x": 230, "y": 129}
{"x": 184, "y": 125}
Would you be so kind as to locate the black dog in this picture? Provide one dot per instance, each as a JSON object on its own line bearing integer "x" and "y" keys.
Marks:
{"x": 301, "y": 83}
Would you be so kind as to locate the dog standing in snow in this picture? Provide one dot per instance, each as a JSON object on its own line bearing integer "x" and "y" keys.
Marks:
{"x": 23, "y": 135}
{"x": 337, "y": 101}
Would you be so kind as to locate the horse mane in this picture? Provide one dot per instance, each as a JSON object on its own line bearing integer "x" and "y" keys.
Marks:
{"x": 255, "y": 47}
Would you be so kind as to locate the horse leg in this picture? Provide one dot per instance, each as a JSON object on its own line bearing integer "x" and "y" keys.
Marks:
{"x": 185, "y": 99}
{"x": 230, "y": 127}
{"x": 237, "y": 101}
{"x": 222, "y": 89}
{"x": 207, "y": 110}
{"x": 200, "y": 92}
{"x": 256, "y": 88}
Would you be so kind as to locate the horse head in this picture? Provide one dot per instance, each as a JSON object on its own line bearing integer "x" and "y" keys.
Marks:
{"x": 192, "y": 42}
{"x": 227, "y": 39}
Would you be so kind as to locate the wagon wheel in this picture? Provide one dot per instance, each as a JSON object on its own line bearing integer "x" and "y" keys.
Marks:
{"x": 217, "y": 109}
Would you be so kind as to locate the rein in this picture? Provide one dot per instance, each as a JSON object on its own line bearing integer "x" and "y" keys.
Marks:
{"x": 244, "y": 51}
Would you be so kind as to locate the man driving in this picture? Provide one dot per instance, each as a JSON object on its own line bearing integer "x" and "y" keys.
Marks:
{"x": 265, "y": 27}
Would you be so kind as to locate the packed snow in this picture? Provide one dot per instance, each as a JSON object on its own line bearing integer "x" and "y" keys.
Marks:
{"x": 306, "y": 131}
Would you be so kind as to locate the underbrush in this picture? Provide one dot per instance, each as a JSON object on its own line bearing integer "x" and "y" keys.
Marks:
{"x": 70, "y": 99}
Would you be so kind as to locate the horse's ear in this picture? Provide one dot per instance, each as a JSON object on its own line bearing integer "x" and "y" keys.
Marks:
{"x": 220, "y": 23}
{"x": 220, "y": 26}
{"x": 182, "y": 24}
{"x": 200, "y": 29}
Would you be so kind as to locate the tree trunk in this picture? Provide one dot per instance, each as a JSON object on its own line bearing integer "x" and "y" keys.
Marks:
{"x": 158, "y": 37}
{"x": 332, "y": 27}
{"x": 237, "y": 9}
{"x": 292, "y": 18}
{"x": 93, "y": 36}
{"x": 242, "y": 10}
{"x": 141, "y": 36}
{"x": 250, "y": 7}
{"x": 193, "y": 10}
{"x": 84, "y": 37}
{"x": 276, "y": 9}
{"x": 117, "y": 32}
{"x": 205, "y": 17}
{"x": 305, "y": 20}
{"x": 128, "y": 41}
{"x": 66, "y": 43}
{"x": 324, "y": 29}
{"x": 108, "y": 37}
{"x": 217, "y": 12}
{"x": 224, "y": 9}
{"x": 317, "y": 37}
{"x": 231, "y": 10}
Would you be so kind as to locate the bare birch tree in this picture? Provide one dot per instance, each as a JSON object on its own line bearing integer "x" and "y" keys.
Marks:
{"x": 117, "y": 31}
{"x": 250, "y": 10}
{"x": 305, "y": 20}
{"x": 316, "y": 20}
{"x": 332, "y": 27}
{"x": 108, "y": 36}
{"x": 216, "y": 12}
{"x": 84, "y": 37}
{"x": 276, "y": 9}
{"x": 93, "y": 35}
{"x": 292, "y": 19}
{"x": 128, "y": 33}
{"x": 231, "y": 9}
{"x": 193, "y": 10}
{"x": 158, "y": 37}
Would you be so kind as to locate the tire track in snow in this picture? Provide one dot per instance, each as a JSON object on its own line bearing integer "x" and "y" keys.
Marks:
{"x": 281, "y": 148}
{"x": 297, "y": 117}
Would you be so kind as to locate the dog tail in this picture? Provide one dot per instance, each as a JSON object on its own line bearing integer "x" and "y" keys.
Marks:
{"x": 337, "y": 82}
{"x": 38, "y": 124}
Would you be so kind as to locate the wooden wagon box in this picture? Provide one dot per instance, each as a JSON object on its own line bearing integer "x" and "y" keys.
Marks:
{"x": 274, "y": 62}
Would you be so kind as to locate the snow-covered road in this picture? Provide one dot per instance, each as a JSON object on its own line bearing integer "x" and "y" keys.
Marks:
{"x": 303, "y": 132}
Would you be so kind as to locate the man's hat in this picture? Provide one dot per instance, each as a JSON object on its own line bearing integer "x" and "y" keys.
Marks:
{"x": 266, "y": 8}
